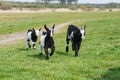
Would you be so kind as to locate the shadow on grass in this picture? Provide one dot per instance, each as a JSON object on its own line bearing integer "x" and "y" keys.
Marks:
{"x": 61, "y": 53}
{"x": 42, "y": 57}
{"x": 21, "y": 49}
{"x": 111, "y": 74}
{"x": 24, "y": 49}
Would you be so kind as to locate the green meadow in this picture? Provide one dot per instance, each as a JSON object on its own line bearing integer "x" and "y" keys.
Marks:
{"x": 99, "y": 57}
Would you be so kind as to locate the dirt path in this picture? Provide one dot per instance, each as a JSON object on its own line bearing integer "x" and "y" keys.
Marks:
{"x": 10, "y": 38}
{"x": 60, "y": 26}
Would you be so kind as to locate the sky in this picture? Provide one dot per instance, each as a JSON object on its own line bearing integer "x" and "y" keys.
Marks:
{"x": 80, "y": 1}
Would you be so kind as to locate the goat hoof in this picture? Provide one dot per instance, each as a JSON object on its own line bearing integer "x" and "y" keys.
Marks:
{"x": 47, "y": 58}
{"x": 41, "y": 54}
{"x": 34, "y": 48}
{"x": 26, "y": 48}
{"x": 29, "y": 46}
{"x": 51, "y": 54}
{"x": 76, "y": 55}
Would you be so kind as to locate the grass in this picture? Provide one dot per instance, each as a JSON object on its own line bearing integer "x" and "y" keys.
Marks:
{"x": 98, "y": 58}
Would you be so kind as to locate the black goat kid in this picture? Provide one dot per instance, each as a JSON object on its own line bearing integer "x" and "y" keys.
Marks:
{"x": 76, "y": 36}
{"x": 47, "y": 41}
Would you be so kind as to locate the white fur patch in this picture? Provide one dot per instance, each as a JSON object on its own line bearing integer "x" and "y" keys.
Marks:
{"x": 51, "y": 34}
{"x": 71, "y": 35}
{"x": 82, "y": 32}
{"x": 42, "y": 40}
{"x": 66, "y": 44}
{"x": 29, "y": 35}
{"x": 37, "y": 32}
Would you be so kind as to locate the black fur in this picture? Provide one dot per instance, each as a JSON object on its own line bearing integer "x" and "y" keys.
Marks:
{"x": 43, "y": 33}
{"x": 75, "y": 38}
{"x": 49, "y": 43}
{"x": 33, "y": 35}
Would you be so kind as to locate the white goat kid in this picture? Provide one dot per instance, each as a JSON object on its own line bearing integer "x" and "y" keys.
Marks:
{"x": 32, "y": 36}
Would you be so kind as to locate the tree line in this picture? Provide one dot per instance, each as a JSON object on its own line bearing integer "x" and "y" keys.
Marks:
{"x": 71, "y": 4}
{"x": 57, "y": 1}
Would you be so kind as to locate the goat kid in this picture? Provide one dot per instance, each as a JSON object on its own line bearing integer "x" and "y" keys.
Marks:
{"x": 47, "y": 41}
{"x": 31, "y": 37}
{"x": 76, "y": 36}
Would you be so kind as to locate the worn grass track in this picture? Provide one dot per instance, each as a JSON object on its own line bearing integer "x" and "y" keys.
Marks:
{"x": 98, "y": 58}
{"x": 6, "y": 39}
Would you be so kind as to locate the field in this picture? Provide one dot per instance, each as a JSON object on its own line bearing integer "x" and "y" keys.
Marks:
{"x": 99, "y": 57}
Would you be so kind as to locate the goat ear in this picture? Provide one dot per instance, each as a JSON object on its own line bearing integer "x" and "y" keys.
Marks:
{"x": 39, "y": 29}
{"x": 53, "y": 26}
{"x": 84, "y": 26}
{"x": 46, "y": 27}
{"x": 33, "y": 29}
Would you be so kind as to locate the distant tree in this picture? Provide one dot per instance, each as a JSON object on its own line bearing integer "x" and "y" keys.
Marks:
{"x": 60, "y": 1}
{"x": 113, "y": 5}
{"x": 68, "y": 1}
{"x": 21, "y": 6}
{"x": 84, "y": 7}
{"x": 38, "y": 1}
{"x": 102, "y": 8}
{"x": 43, "y": 1}
{"x": 5, "y": 5}
{"x": 72, "y": 1}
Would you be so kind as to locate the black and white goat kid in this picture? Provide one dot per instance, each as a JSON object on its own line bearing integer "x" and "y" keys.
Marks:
{"x": 47, "y": 41}
{"x": 76, "y": 36}
{"x": 32, "y": 36}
